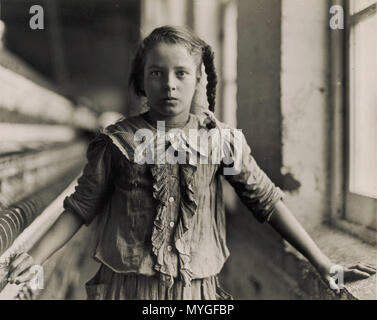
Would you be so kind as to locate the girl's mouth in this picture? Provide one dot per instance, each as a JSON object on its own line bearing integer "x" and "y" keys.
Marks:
{"x": 170, "y": 100}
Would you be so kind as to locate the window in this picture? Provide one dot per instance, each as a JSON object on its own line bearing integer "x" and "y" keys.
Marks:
{"x": 361, "y": 185}
{"x": 357, "y": 123}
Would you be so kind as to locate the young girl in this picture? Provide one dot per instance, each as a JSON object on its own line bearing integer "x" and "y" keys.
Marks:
{"x": 161, "y": 227}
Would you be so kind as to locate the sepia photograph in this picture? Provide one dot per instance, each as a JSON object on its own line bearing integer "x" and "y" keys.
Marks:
{"x": 188, "y": 150}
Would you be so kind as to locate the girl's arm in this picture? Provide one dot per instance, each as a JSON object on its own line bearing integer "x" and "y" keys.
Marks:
{"x": 283, "y": 221}
{"x": 56, "y": 237}
{"x": 80, "y": 207}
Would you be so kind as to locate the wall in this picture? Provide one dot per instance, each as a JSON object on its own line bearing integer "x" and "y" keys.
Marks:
{"x": 305, "y": 108}
{"x": 161, "y": 12}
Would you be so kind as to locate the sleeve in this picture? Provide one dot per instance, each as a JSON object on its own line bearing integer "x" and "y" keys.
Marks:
{"x": 90, "y": 192}
{"x": 256, "y": 191}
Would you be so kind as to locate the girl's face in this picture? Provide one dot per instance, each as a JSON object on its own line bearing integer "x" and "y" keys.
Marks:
{"x": 170, "y": 80}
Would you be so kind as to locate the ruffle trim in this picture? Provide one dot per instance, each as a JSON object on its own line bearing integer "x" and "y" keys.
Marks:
{"x": 182, "y": 236}
{"x": 160, "y": 232}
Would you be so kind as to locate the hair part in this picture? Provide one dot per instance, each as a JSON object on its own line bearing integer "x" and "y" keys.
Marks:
{"x": 176, "y": 35}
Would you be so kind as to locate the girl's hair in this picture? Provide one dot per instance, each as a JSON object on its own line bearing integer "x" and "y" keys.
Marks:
{"x": 176, "y": 35}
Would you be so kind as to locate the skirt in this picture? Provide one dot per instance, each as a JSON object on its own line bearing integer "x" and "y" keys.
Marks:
{"x": 110, "y": 285}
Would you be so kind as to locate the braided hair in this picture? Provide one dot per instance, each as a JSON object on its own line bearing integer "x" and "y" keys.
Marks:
{"x": 201, "y": 51}
{"x": 209, "y": 65}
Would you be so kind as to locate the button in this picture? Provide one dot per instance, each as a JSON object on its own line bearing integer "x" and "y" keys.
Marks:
{"x": 171, "y": 224}
{"x": 171, "y": 199}
{"x": 170, "y": 248}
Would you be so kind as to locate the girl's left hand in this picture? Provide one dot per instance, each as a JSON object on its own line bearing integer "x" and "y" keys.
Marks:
{"x": 20, "y": 268}
{"x": 343, "y": 274}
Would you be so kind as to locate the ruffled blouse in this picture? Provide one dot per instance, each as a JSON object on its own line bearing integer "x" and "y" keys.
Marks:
{"x": 166, "y": 218}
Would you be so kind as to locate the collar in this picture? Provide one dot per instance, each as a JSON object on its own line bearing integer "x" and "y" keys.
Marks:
{"x": 135, "y": 137}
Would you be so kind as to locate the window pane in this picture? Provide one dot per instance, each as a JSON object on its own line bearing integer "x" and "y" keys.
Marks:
{"x": 363, "y": 108}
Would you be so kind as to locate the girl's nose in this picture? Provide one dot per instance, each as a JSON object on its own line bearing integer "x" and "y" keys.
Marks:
{"x": 170, "y": 84}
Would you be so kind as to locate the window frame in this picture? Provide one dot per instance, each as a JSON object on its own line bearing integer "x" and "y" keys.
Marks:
{"x": 342, "y": 200}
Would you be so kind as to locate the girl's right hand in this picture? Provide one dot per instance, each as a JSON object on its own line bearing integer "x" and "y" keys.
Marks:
{"x": 343, "y": 274}
{"x": 20, "y": 268}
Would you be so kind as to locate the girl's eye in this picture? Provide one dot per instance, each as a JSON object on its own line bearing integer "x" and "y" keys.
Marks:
{"x": 181, "y": 74}
{"x": 156, "y": 73}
